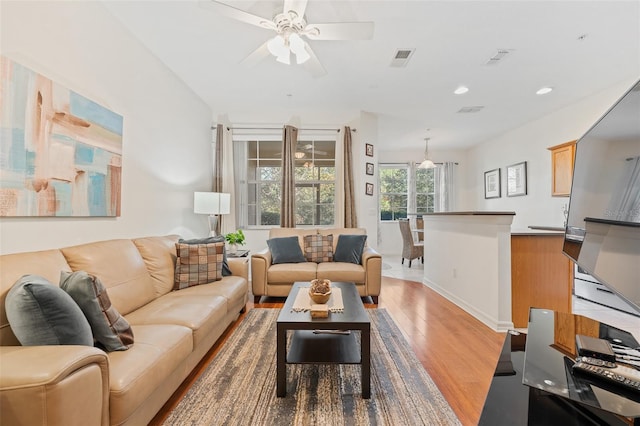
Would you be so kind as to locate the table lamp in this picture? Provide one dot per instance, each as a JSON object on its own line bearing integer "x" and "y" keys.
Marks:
{"x": 213, "y": 204}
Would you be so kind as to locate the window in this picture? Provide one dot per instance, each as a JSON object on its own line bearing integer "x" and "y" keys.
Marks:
{"x": 315, "y": 183}
{"x": 263, "y": 182}
{"x": 315, "y": 175}
{"x": 425, "y": 193}
{"x": 394, "y": 190}
{"x": 405, "y": 189}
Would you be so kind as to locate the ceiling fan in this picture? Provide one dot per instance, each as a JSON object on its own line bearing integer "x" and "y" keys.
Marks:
{"x": 304, "y": 151}
{"x": 291, "y": 28}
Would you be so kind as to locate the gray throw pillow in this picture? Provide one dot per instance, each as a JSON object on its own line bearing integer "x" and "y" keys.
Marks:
{"x": 219, "y": 239}
{"x": 110, "y": 330}
{"x": 285, "y": 250}
{"x": 349, "y": 248}
{"x": 41, "y": 313}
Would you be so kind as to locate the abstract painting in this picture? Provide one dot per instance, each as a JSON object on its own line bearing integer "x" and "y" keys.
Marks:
{"x": 60, "y": 153}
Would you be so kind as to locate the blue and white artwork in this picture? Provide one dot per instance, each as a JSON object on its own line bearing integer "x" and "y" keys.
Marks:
{"x": 60, "y": 153}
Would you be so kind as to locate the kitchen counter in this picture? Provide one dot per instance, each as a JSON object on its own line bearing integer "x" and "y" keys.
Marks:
{"x": 466, "y": 260}
{"x": 538, "y": 230}
{"x": 547, "y": 228}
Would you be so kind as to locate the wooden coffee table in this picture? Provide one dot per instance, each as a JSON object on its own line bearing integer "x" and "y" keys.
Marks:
{"x": 307, "y": 347}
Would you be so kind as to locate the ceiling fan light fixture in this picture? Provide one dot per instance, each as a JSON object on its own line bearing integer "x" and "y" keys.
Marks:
{"x": 302, "y": 57}
{"x": 277, "y": 46}
{"x": 284, "y": 58}
{"x": 295, "y": 43}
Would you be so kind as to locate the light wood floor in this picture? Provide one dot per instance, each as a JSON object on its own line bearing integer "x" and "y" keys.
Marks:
{"x": 459, "y": 352}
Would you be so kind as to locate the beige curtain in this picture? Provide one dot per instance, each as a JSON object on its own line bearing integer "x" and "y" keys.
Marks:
{"x": 228, "y": 181}
{"x": 217, "y": 168}
{"x": 350, "y": 217}
{"x": 288, "y": 185}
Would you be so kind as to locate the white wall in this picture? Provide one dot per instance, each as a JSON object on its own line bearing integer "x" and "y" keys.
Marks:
{"x": 367, "y": 205}
{"x": 166, "y": 141}
{"x": 529, "y": 143}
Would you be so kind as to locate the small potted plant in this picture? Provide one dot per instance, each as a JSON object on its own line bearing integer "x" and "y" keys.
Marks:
{"x": 234, "y": 238}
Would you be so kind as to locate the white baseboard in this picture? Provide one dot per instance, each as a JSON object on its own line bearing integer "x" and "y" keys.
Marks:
{"x": 486, "y": 319}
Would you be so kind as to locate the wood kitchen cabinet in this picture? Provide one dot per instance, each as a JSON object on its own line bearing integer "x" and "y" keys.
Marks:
{"x": 562, "y": 157}
{"x": 541, "y": 276}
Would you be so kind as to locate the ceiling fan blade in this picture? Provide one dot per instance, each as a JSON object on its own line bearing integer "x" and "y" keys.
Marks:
{"x": 313, "y": 65}
{"x": 234, "y": 13}
{"x": 298, "y": 6}
{"x": 256, "y": 56}
{"x": 340, "y": 31}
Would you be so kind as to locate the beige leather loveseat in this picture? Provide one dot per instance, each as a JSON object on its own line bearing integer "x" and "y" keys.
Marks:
{"x": 173, "y": 330}
{"x": 277, "y": 279}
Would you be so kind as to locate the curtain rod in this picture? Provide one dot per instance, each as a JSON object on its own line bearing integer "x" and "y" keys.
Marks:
{"x": 277, "y": 128}
{"x": 442, "y": 163}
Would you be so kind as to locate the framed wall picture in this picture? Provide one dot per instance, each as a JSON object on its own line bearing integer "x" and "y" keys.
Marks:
{"x": 517, "y": 179}
{"x": 492, "y": 184}
{"x": 369, "y": 188}
{"x": 368, "y": 149}
{"x": 370, "y": 169}
{"x": 62, "y": 153}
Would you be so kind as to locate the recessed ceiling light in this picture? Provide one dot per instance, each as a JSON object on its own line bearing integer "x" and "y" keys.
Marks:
{"x": 460, "y": 90}
{"x": 544, "y": 90}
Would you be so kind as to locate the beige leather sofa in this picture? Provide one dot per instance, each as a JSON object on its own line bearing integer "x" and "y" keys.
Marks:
{"x": 173, "y": 330}
{"x": 277, "y": 280}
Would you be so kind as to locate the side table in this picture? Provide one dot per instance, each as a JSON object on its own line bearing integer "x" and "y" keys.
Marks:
{"x": 239, "y": 253}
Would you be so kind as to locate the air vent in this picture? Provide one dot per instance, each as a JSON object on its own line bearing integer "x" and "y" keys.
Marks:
{"x": 470, "y": 109}
{"x": 401, "y": 57}
{"x": 498, "y": 56}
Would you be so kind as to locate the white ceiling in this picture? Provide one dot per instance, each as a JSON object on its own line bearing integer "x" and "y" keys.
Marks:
{"x": 453, "y": 42}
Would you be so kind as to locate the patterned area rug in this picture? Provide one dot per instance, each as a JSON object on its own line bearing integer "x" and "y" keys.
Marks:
{"x": 239, "y": 386}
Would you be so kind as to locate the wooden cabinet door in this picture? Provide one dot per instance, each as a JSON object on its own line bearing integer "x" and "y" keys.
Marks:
{"x": 541, "y": 276}
{"x": 562, "y": 157}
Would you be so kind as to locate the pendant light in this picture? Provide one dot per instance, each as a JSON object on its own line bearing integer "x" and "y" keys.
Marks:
{"x": 426, "y": 164}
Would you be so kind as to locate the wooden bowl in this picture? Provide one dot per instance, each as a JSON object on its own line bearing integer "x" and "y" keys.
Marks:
{"x": 320, "y": 298}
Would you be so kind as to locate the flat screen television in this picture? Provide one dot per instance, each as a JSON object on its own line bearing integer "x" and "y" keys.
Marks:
{"x": 602, "y": 233}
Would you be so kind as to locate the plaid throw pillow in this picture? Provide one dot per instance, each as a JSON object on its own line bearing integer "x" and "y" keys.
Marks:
{"x": 318, "y": 248}
{"x": 198, "y": 264}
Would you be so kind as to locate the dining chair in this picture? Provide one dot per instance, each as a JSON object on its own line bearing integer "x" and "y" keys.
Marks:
{"x": 410, "y": 249}
{"x": 420, "y": 225}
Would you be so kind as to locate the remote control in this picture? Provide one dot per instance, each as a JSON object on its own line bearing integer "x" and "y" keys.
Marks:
{"x": 624, "y": 376}
{"x": 597, "y": 362}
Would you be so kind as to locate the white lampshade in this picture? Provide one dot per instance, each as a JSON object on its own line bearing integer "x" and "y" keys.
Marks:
{"x": 296, "y": 43}
{"x": 426, "y": 164}
{"x": 277, "y": 46}
{"x": 211, "y": 203}
{"x": 302, "y": 57}
{"x": 285, "y": 58}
